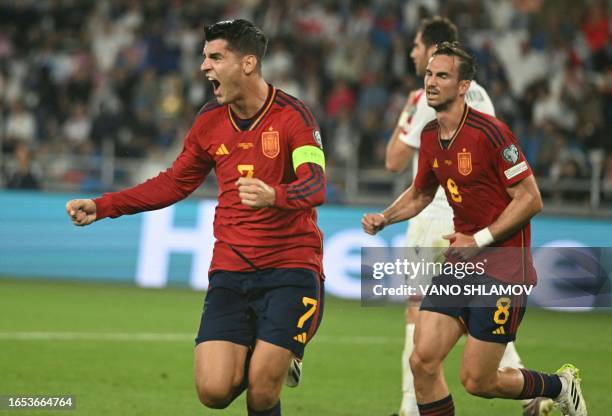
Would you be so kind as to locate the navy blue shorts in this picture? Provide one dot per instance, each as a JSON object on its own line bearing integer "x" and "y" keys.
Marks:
{"x": 281, "y": 306}
{"x": 487, "y": 317}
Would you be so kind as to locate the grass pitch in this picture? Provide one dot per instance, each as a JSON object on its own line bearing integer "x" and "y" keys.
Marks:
{"x": 122, "y": 350}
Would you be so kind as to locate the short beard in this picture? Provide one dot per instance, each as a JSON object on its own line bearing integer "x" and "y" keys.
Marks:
{"x": 443, "y": 106}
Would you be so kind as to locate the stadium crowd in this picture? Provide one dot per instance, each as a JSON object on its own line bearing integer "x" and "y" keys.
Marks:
{"x": 76, "y": 76}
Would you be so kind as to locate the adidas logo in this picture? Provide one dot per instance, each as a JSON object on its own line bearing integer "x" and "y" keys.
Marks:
{"x": 499, "y": 331}
{"x": 300, "y": 337}
{"x": 222, "y": 150}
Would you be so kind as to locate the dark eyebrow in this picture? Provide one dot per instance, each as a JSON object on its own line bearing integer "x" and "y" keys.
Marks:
{"x": 214, "y": 55}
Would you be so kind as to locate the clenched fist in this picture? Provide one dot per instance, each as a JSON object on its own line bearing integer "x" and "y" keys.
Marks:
{"x": 373, "y": 223}
{"x": 255, "y": 193}
{"x": 81, "y": 211}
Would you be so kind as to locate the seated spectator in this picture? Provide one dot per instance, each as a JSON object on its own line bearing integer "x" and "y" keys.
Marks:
{"x": 24, "y": 175}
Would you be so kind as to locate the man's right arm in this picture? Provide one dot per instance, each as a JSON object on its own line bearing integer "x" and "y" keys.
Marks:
{"x": 407, "y": 205}
{"x": 410, "y": 203}
{"x": 174, "y": 184}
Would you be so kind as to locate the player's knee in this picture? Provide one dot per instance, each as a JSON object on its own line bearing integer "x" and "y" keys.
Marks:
{"x": 214, "y": 396}
{"x": 477, "y": 386}
{"x": 423, "y": 366}
{"x": 263, "y": 395}
{"x": 264, "y": 390}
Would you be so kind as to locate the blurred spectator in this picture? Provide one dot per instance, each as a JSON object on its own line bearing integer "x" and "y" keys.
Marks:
{"x": 596, "y": 30}
{"x": 84, "y": 77}
{"x": 24, "y": 174}
{"x": 77, "y": 127}
{"x": 20, "y": 126}
{"x": 340, "y": 98}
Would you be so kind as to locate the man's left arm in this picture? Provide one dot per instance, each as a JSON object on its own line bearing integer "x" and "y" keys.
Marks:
{"x": 307, "y": 191}
{"x": 515, "y": 175}
{"x": 308, "y": 163}
{"x": 525, "y": 204}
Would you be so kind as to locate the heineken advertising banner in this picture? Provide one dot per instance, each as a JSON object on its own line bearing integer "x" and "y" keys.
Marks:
{"x": 173, "y": 246}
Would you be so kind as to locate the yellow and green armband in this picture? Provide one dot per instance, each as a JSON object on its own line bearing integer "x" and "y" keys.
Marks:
{"x": 308, "y": 154}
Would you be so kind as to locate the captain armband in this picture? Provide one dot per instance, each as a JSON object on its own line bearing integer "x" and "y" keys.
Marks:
{"x": 308, "y": 154}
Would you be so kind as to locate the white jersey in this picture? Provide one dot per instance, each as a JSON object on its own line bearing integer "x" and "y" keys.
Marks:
{"x": 410, "y": 133}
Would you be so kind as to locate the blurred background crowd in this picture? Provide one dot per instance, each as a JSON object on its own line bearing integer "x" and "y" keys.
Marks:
{"x": 97, "y": 95}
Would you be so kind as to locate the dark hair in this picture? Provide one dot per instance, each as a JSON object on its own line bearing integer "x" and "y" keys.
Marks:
{"x": 242, "y": 37}
{"x": 467, "y": 64}
{"x": 435, "y": 30}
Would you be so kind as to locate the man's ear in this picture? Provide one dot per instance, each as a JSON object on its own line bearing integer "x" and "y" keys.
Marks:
{"x": 464, "y": 86}
{"x": 249, "y": 64}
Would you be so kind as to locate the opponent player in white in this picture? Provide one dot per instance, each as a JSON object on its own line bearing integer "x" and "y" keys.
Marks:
{"x": 426, "y": 229}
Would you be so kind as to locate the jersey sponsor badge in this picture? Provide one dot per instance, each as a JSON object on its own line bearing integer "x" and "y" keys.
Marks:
{"x": 511, "y": 154}
{"x": 464, "y": 162}
{"x": 270, "y": 144}
{"x": 316, "y": 134}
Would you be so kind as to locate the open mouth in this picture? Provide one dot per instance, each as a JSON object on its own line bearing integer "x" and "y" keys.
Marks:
{"x": 216, "y": 84}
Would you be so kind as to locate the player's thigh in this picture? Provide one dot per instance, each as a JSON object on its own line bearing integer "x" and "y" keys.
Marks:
{"x": 481, "y": 359}
{"x": 289, "y": 315}
{"x": 226, "y": 315}
{"x": 219, "y": 366}
{"x": 225, "y": 335}
{"x": 269, "y": 365}
{"x": 435, "y": 335}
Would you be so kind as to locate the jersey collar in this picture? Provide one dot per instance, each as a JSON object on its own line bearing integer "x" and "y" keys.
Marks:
{"x": 250, "y": 124}
{"x": 466, "y": 110}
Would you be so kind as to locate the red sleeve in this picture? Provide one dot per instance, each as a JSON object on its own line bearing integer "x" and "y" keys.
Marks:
{"x": 425, "y": 178}
{"x": 303, "y": 130}
{"x": 186, "y": 173}
{"x": 308, "y": 190}
{"x": 508, "y": 159}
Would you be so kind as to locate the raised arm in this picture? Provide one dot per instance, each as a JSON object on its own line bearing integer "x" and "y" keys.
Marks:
{"x": 174, "y": 184}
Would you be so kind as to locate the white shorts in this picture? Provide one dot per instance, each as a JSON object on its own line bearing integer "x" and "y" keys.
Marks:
{"x": 424, "y": 243}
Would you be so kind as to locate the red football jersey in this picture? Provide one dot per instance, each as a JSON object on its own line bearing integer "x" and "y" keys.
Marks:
{"x": 481, "y": 160}
{"x": 285, "y": 235}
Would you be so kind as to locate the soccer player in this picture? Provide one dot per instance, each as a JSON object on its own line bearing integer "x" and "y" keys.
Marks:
{"x": 436, "y": 220}
{"x": 493, "y": 194}
{"x": 265, "y": 297}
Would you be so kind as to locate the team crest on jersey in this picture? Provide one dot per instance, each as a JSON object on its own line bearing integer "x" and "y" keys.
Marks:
{"x": 270, "y": 143}
{"x": 511, "y": 154}
{"x": 464, "y": 163}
